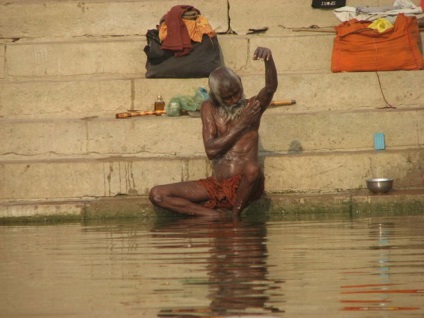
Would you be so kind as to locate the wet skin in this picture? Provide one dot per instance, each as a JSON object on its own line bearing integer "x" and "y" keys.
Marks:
{"x": 232, "y": 146}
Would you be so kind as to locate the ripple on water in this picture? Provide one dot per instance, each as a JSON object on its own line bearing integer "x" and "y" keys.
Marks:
{"x": 188, "y": 267}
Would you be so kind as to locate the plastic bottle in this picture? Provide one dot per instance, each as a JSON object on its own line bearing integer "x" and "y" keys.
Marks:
{"x": 159, "y": 103}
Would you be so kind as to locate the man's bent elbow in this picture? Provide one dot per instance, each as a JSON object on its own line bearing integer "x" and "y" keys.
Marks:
{"x": 211, "y": 154}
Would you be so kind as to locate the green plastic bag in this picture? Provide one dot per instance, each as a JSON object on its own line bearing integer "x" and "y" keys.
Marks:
{"x": 181, "y": 103}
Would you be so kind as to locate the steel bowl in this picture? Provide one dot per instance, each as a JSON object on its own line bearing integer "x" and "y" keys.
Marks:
{"x": 379, "y": 185}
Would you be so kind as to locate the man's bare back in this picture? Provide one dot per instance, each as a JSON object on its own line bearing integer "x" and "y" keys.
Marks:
{"x": 230, "y": 125}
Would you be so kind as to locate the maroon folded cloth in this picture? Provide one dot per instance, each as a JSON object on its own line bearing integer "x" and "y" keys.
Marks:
{"x": 177, "y": 38}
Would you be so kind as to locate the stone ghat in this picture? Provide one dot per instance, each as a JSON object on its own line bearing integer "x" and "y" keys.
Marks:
{"x": 67, "y": 67}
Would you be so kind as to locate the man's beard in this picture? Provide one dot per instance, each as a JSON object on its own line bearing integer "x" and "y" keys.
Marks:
{"x": 230, "y": 113}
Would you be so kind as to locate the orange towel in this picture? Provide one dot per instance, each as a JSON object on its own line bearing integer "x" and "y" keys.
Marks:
{"x": 358, "y": 48}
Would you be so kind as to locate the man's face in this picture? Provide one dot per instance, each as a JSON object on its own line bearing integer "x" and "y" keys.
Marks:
{"x": 231, "y": 95}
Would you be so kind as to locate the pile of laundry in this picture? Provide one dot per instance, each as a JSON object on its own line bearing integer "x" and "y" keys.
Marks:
{"x": 183, "y": 45}
{"x": 181, "y": 25}
{"x": 365, "y": 13}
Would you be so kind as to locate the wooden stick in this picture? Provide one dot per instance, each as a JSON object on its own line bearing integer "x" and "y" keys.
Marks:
{"x": 282, "y": 102}
{"x": 314, "y": 30}
{"x": 134, "y": 113}
{"x": 137, "y": 113}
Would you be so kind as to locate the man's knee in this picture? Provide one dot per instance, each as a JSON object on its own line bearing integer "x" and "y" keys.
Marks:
{"x": 156, "y": 195}
{"x": 252, "y": 171}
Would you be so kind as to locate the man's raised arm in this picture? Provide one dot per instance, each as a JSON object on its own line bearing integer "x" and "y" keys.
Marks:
{"x": 271, "y": 80}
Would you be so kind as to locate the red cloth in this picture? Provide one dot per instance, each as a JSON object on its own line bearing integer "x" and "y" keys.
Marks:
{"x": 177, "y": 39}
{"x": 222, "y": 194}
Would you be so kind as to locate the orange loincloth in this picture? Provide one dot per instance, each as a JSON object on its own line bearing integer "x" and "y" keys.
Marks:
{"x": 222, "y": 194}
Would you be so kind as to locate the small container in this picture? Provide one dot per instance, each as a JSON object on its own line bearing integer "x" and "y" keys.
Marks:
{"x": 379, "y": 143}
{"x": 379, "y": 185}
{"x": 159, "y": 103}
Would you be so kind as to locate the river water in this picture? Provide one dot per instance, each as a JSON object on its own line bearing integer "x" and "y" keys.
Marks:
{"x": 323, "y": 265}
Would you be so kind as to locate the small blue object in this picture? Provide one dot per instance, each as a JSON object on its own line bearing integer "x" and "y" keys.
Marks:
{"x": 379, "y": 143}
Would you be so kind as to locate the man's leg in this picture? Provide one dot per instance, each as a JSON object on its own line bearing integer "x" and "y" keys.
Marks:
{"x": 182, "y": 197}
{"x": 251, "y": 179}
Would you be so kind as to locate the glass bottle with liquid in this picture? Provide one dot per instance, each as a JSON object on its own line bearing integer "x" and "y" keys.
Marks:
{"x": 159, "y": 103}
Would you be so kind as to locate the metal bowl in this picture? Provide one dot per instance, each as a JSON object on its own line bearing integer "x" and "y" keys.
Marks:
{"x": 379, "y": 185}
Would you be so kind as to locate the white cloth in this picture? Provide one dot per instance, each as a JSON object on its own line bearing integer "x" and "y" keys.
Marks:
{"x": 373, "y": 13}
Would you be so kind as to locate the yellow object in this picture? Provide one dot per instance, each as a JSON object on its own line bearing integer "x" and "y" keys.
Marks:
{"x": 381, "y": 25}
{"x": 196, "y": 29}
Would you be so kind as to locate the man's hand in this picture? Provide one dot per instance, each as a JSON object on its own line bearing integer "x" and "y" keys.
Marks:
{"x": 262, "y": 53}
{"x": 251, "y": 112}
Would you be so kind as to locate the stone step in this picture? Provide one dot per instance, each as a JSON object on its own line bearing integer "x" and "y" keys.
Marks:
{"x": 40, "y": 59}
{"x": 59, "y": 18}
{"x": 301, "y": 173}
{"x": 67, "y": 67}
{"x": 72, "y": 99}
{"x": 50, "y": 19}
{"x": 161, "y": 136}
{"x": 358, "y": 202}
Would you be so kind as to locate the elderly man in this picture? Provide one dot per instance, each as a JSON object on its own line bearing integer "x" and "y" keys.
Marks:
{"x": 230, "y": 136}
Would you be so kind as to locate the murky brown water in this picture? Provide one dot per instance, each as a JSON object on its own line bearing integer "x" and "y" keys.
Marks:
{"x": 317, "y": 266}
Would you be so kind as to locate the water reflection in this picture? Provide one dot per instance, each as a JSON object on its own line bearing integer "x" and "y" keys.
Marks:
{"x": 237, "y": 267}
{"x": 302, "y": 267}
{"x": 381, "y": 296}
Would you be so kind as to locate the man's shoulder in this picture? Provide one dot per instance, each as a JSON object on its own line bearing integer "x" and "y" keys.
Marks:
{"x": 207, "y": 105}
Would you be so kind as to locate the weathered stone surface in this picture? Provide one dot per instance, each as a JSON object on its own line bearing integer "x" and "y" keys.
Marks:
{"x": 67, "y": 67}
{"x": 64, "y": 99}
{"x": 235, "y": 51}
{"x": 2, "y": 64}
{"x": 124, "y": 57}
{"x": 312, "y": 173}
{"x": 39, "y": 19}
{"x": 277, "y": 16}
{"x": 285, "y": 14}
{"x": 54, "y": 138}
{"x": 93, "y": 178}
{"x": 307, "y": 53}
{"x": 37, "y": 210}
{"x": 72, "y": 58}
{"x": 146, "y": 136}
{"x": 332, "y": 172}
{"x": 340, "y": 131}
{"x": 357, "y": 203}
{"x": 182, "y": 136}
{"x": 403, "y": 87}
{"x": 106, "y": 97}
